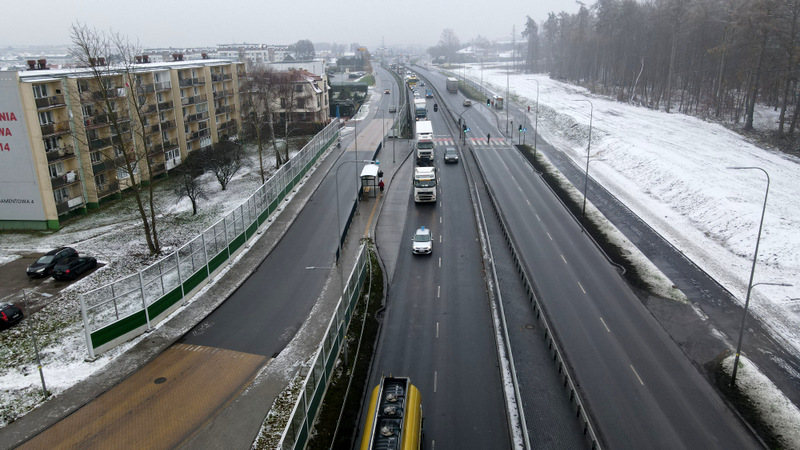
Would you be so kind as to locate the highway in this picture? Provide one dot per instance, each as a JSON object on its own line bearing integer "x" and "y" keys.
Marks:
{"x": 437, "y": 326}
{"x": 641, "y": 389}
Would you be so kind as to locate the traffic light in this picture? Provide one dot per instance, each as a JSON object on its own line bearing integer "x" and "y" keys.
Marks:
{"x": 465, "y": 127}
{"x": 435, "y": 107}
{"x": 488, "y": 101}
{"x": 520, "y": 128}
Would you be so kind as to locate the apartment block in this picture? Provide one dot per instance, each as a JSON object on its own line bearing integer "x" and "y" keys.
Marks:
{"x": 61, "y": 131}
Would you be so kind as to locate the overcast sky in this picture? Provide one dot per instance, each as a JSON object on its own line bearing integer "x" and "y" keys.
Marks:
{"x": 165, "y": 23}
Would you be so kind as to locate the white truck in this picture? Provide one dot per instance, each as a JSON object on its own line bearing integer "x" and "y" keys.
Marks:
{"x": 452, "y": 85}
{"x": 424, "y": 184}
{"x": 420, "y": 109}
{"x": 423, "y": 141}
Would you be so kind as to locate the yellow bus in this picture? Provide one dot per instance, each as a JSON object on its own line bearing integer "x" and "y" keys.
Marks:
{"x": 412, "y": 82}
{"x": 394, "y": 419}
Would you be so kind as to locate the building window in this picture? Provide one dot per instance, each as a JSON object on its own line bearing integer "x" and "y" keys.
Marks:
{"x": 100, "y": 181}
{"x": 172, "y": 154}
{"x": 83, "y": 86}
{"x": 96, "y": 157}
{"x": 57, "y": 169}
{"x": 301, "y": 103}
{"x": 39, "y": 90}
{"x": 61, "y": 195}
{"x": 298, "y": 88}
{"x": 45, "y": 118}
{"x": 50, "y": 143}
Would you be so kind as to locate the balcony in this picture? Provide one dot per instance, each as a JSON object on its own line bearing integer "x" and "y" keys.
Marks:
{"x": 225, "y": 109}
{"x": 60, "y": 154}
{"x": 67, "y": 206}
{"x": 221, "y": 77}
{"x": 163, "y": 106}
{"x": 55, "y": 128}
{"x": 163, "y": 86}
{"x": 193, "y": 100}
{"x": 196, "y": 117}
{"x": 162, "y": 147}
{"x": 96, "y": 144}
{"x": 106, "y": 189}
{"x": 102, "y": 94}
{"x": 64, "y": 180}
{"x": 223, "y": 93}
{"x": 198, "y": 134}
{"x": 145, "y": 89}
{"x": 50, "y": 102}
{"x": 158, "y": 168}
{"x": 149, "y": 108}
{"x": 192, "y": 81}
{"x": 101, "y": 166}
{"x": 101, "y": 120}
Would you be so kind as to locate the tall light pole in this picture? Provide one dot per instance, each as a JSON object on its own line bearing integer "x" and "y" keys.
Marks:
{"x": 752, "y": 272}
{"x": 588, "y": 152}
{"x": 536, "y": 126}
{"x": 33, "y": 337}
{"x": 355, "y": 130}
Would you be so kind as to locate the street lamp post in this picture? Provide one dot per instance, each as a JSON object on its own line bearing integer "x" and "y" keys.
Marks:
{"x": 536, "y": 126}
{"x": 588, "y": 152}
{"x": 33, "y": 337}
{"x": 752, "y": 273}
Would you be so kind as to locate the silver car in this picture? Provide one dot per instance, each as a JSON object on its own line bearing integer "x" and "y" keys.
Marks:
{"x": 423, "y": 242}
{"x": 450, "y": 155}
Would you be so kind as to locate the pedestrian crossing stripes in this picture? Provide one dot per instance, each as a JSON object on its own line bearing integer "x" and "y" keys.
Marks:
{"x": 478, "y": 142}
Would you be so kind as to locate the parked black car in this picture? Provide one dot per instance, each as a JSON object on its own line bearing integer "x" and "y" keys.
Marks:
{"x": 44, "y": 265}
{"x": 10, "y": 315}
{"x": 73, "y": 267}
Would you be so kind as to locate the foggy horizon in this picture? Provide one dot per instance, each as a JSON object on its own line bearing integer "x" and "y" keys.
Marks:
{"x": 162, "y": 24}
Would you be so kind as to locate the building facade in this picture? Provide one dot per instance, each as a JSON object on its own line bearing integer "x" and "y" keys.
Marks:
{"x": 63, "y": 132}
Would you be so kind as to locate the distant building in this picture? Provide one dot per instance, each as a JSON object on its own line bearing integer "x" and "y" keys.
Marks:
{"x": 57, "y": 153}
{"x": 254, "y": 53}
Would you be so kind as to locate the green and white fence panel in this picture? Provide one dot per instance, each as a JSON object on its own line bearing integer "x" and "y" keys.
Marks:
{"x": 125, "y": 308}
{"x": 318, "y": 376}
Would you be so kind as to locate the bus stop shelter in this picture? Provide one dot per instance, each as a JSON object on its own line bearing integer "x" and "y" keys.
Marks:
{"x": 369, "y": 180}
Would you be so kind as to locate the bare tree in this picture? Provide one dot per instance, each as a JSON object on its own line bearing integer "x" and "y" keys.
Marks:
{"x": 291, "y": 93}
{"x": 116, "y": 98}
{"x": 223, "y": 159}
{"x": 189, "y": 185}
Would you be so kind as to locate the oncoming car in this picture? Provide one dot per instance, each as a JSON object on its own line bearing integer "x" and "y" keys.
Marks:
{"x": 423, "y": 242}
{"x": 387, "y": 91}
{"x": 467, "y": 102}
{"x": 450, "y": 155}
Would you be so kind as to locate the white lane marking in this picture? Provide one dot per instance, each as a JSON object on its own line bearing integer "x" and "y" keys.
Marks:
{"x": 548, "y": 235}
{"x": 563, "y": 259}
{"x": 435, "y": 379}
{"x": 637, "y": 374}
{"x": 529, "y": 202}
{"x": 438, "y": 291}
{"x": 440, "y": 261}
{"x": 538, "y": 218}
{"x": 437, "y": 330}
{"x": 604, "y": 324}
{"x": 581, "y": 286}
{"x": 440, "y": 220}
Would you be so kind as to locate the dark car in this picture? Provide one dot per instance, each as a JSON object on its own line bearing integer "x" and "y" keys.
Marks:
{"x": 44, "y": 265}
{"x": 73, "y": 267}
{"x": 450, "y": 155}
{"x": 10, "y": 315}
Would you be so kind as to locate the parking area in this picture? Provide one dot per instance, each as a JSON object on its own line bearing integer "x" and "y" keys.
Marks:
{"x": 13, "y": 279}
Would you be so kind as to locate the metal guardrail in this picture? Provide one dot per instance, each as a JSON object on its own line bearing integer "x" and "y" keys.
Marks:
{"x": 125, "y": 308}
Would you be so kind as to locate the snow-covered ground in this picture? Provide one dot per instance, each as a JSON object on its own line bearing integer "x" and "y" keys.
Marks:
{"x": 674, "y": 171}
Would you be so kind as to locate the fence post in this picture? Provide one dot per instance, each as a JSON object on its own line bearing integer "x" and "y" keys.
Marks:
{"x": 144, "y": 301}
{"x": 86, "y": 331}
{"x": 180, "y": 277}
{"x": 205, "y": 252}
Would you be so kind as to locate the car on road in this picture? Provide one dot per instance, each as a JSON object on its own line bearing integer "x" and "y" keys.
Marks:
{"x": 421, "y": 83}
{"x": 450, "y": 155}
{"x": 423, "y": 242}
{"x": 467, "y": 102}
{"x": 10, "y": 315}
{"x": 387, "y": 91}
{"x": 44, "y": 265}
{"x": 393, "y": 109}
{"x": 73, "y": 267}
